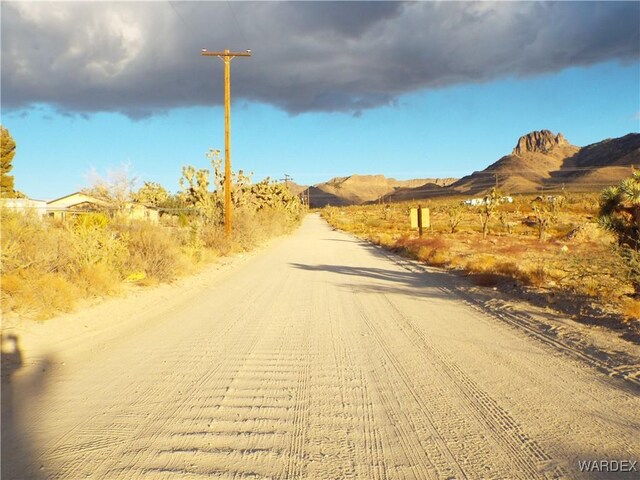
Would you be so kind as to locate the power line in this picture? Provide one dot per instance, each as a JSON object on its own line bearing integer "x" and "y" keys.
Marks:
{"x": 235, "y": 19}
{"x": 178, "y": 14}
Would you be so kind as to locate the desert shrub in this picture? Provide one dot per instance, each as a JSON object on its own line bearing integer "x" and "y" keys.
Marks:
{"x": 506, "y": 221}
{"x": 535, "y": 276}
{"x": 215, "y": 239}
{"x": 424, "y": 252}
{"x": 373, "y": 222}
{"x": 93, "y": 242}
{"x": 246, "y": 232}
{"x": 514, "y": 249}
{"x": 194, "y": 244}
{"x": 481, "y": 264}
{"x": 27, "y": 243}
{"x": 507, "y": 268}
{"x": 631, "y": 266}
{"x": 47, "y": 265}
{"x": 439, "y": 257}
{"x": 97, "y": 279}
{"x": 183, "y": 220}
{"x": 412, "y": 243}
{"x": 154, "y": 251}
{"x": 631, "y": 308}
{"x": 41, "y": 294}
{"x": 12, "y": 284}
{"x": 382, "y": 239}
{"x": 455, "y": 214}
{"x": 33, "y": 257}
{"x": 457, "y": 261}
{"x": 586, "y": 261}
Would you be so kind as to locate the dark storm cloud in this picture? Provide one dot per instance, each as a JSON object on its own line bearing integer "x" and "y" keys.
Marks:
{"x": 143, "y": 58}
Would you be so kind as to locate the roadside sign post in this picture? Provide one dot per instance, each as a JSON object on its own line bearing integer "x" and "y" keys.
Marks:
{"x": 420, "y": 219}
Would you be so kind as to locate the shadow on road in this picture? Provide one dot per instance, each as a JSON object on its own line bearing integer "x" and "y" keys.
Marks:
{"x": 356, "y": 241}
{"x": 18, "y": 395}
{"x": 381, "y": 280}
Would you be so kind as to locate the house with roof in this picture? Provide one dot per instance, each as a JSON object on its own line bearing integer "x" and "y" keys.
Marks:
{"x": 75, "y": 203}
{"x": 78, "y": 203}
{"x": 25, "y": 205}
{"x": 140, "y": 211}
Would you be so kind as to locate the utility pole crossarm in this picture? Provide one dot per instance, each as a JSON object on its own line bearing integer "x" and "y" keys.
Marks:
{"x": 226, "y": 53}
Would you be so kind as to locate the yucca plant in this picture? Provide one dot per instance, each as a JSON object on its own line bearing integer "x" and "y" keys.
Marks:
{"x": 620, "y": 214}
{"x": 620, "y": 211}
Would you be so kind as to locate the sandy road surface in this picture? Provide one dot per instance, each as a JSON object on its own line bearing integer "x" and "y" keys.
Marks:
{"x": 320, "y": 358}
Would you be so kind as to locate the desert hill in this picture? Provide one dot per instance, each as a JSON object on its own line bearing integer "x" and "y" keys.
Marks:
{"x": 542, "y": 160}
{"x": 428, "y": 189}
{"x": 532, "y": 162}
{"x": 358, "y": 189}
{"x": 294, "y": 188}
{"x": 599, "y": 165}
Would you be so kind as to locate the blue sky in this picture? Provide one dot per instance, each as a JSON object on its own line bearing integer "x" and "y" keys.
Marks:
{"x": 431, "y": 127}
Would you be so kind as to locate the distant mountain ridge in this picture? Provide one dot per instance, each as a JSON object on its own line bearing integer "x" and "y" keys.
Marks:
{"x": 358, "y": 189}
{"x": 540, "y": 161}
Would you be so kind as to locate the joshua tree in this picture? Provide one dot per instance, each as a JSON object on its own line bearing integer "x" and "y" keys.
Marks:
{"x": 244, "y": 194}
{"x": 151, "y": 193}
{"x": 546, "y": 212}
{"x": 506, "y": 221}
{"x": 488, "y": 209}
{"x": 620, "y": 214}
{"x": 455, "y": 217}
{"x": 620, "y": 211}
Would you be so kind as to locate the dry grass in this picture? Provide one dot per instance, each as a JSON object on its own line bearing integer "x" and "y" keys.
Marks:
{"x": 40, "y": 296}
{"x": 48, "y": 266}
{"x": 631, "y": 309}
{"x": 576, "y": 256}
{"x": 154, "y": 251}
{"x": 483, "y": 263}
{"x": 97, "y": 280}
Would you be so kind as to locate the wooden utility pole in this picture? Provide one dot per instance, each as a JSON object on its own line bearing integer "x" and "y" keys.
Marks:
{"x": 226, "y": 57}
{"x": 286, "y": 179}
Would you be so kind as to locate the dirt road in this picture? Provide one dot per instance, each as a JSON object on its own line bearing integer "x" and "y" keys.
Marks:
{"x": 319, "y": 358}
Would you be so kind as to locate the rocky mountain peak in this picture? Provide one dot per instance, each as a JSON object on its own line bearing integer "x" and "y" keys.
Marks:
{"x": 541, "y": 141}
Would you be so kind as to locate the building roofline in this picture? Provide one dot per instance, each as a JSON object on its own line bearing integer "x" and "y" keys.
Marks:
{"x": 98, "y": 200}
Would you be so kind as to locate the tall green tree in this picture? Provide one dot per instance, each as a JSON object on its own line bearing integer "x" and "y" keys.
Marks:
{"x": 8, "y": 150}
